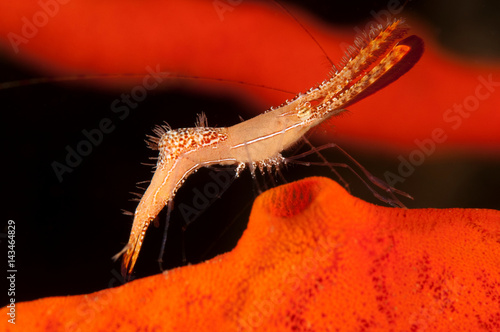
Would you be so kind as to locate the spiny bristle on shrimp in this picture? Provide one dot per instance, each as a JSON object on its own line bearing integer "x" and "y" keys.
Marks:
{"x": 378, "y": 58}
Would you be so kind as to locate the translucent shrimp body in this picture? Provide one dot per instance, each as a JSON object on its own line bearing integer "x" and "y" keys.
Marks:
{"x": 379, "y": 58}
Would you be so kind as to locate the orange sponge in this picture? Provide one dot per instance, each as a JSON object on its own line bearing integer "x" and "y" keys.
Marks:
{"x": 313, "y": 258}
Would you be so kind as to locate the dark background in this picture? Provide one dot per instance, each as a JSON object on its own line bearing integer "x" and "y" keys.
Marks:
{"x": 67, "y": 232}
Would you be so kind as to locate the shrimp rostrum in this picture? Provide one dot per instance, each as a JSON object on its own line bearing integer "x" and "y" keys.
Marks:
{"x": 377, "y": 59}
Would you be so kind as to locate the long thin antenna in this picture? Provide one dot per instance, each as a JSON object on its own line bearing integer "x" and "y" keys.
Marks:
{"x": 305, "y": 30}
{"x": 42, "y": 80}
{"x": 164, "y": 241}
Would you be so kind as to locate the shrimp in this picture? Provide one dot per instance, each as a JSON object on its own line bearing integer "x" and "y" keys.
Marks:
{"x": 378, "y": 58}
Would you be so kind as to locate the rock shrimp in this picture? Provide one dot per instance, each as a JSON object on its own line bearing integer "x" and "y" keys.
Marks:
{"x": 380, "y": 57}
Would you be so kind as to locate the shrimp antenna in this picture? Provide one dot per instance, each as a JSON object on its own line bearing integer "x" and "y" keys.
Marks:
{"x": 43, "y": 80}
{"x": 170, "y": 206}
{"x": 277, "y": 3}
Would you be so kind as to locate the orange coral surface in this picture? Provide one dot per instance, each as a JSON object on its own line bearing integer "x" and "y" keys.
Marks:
{"x": 313, "y": 258}
{"x": 257, "y": 43}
